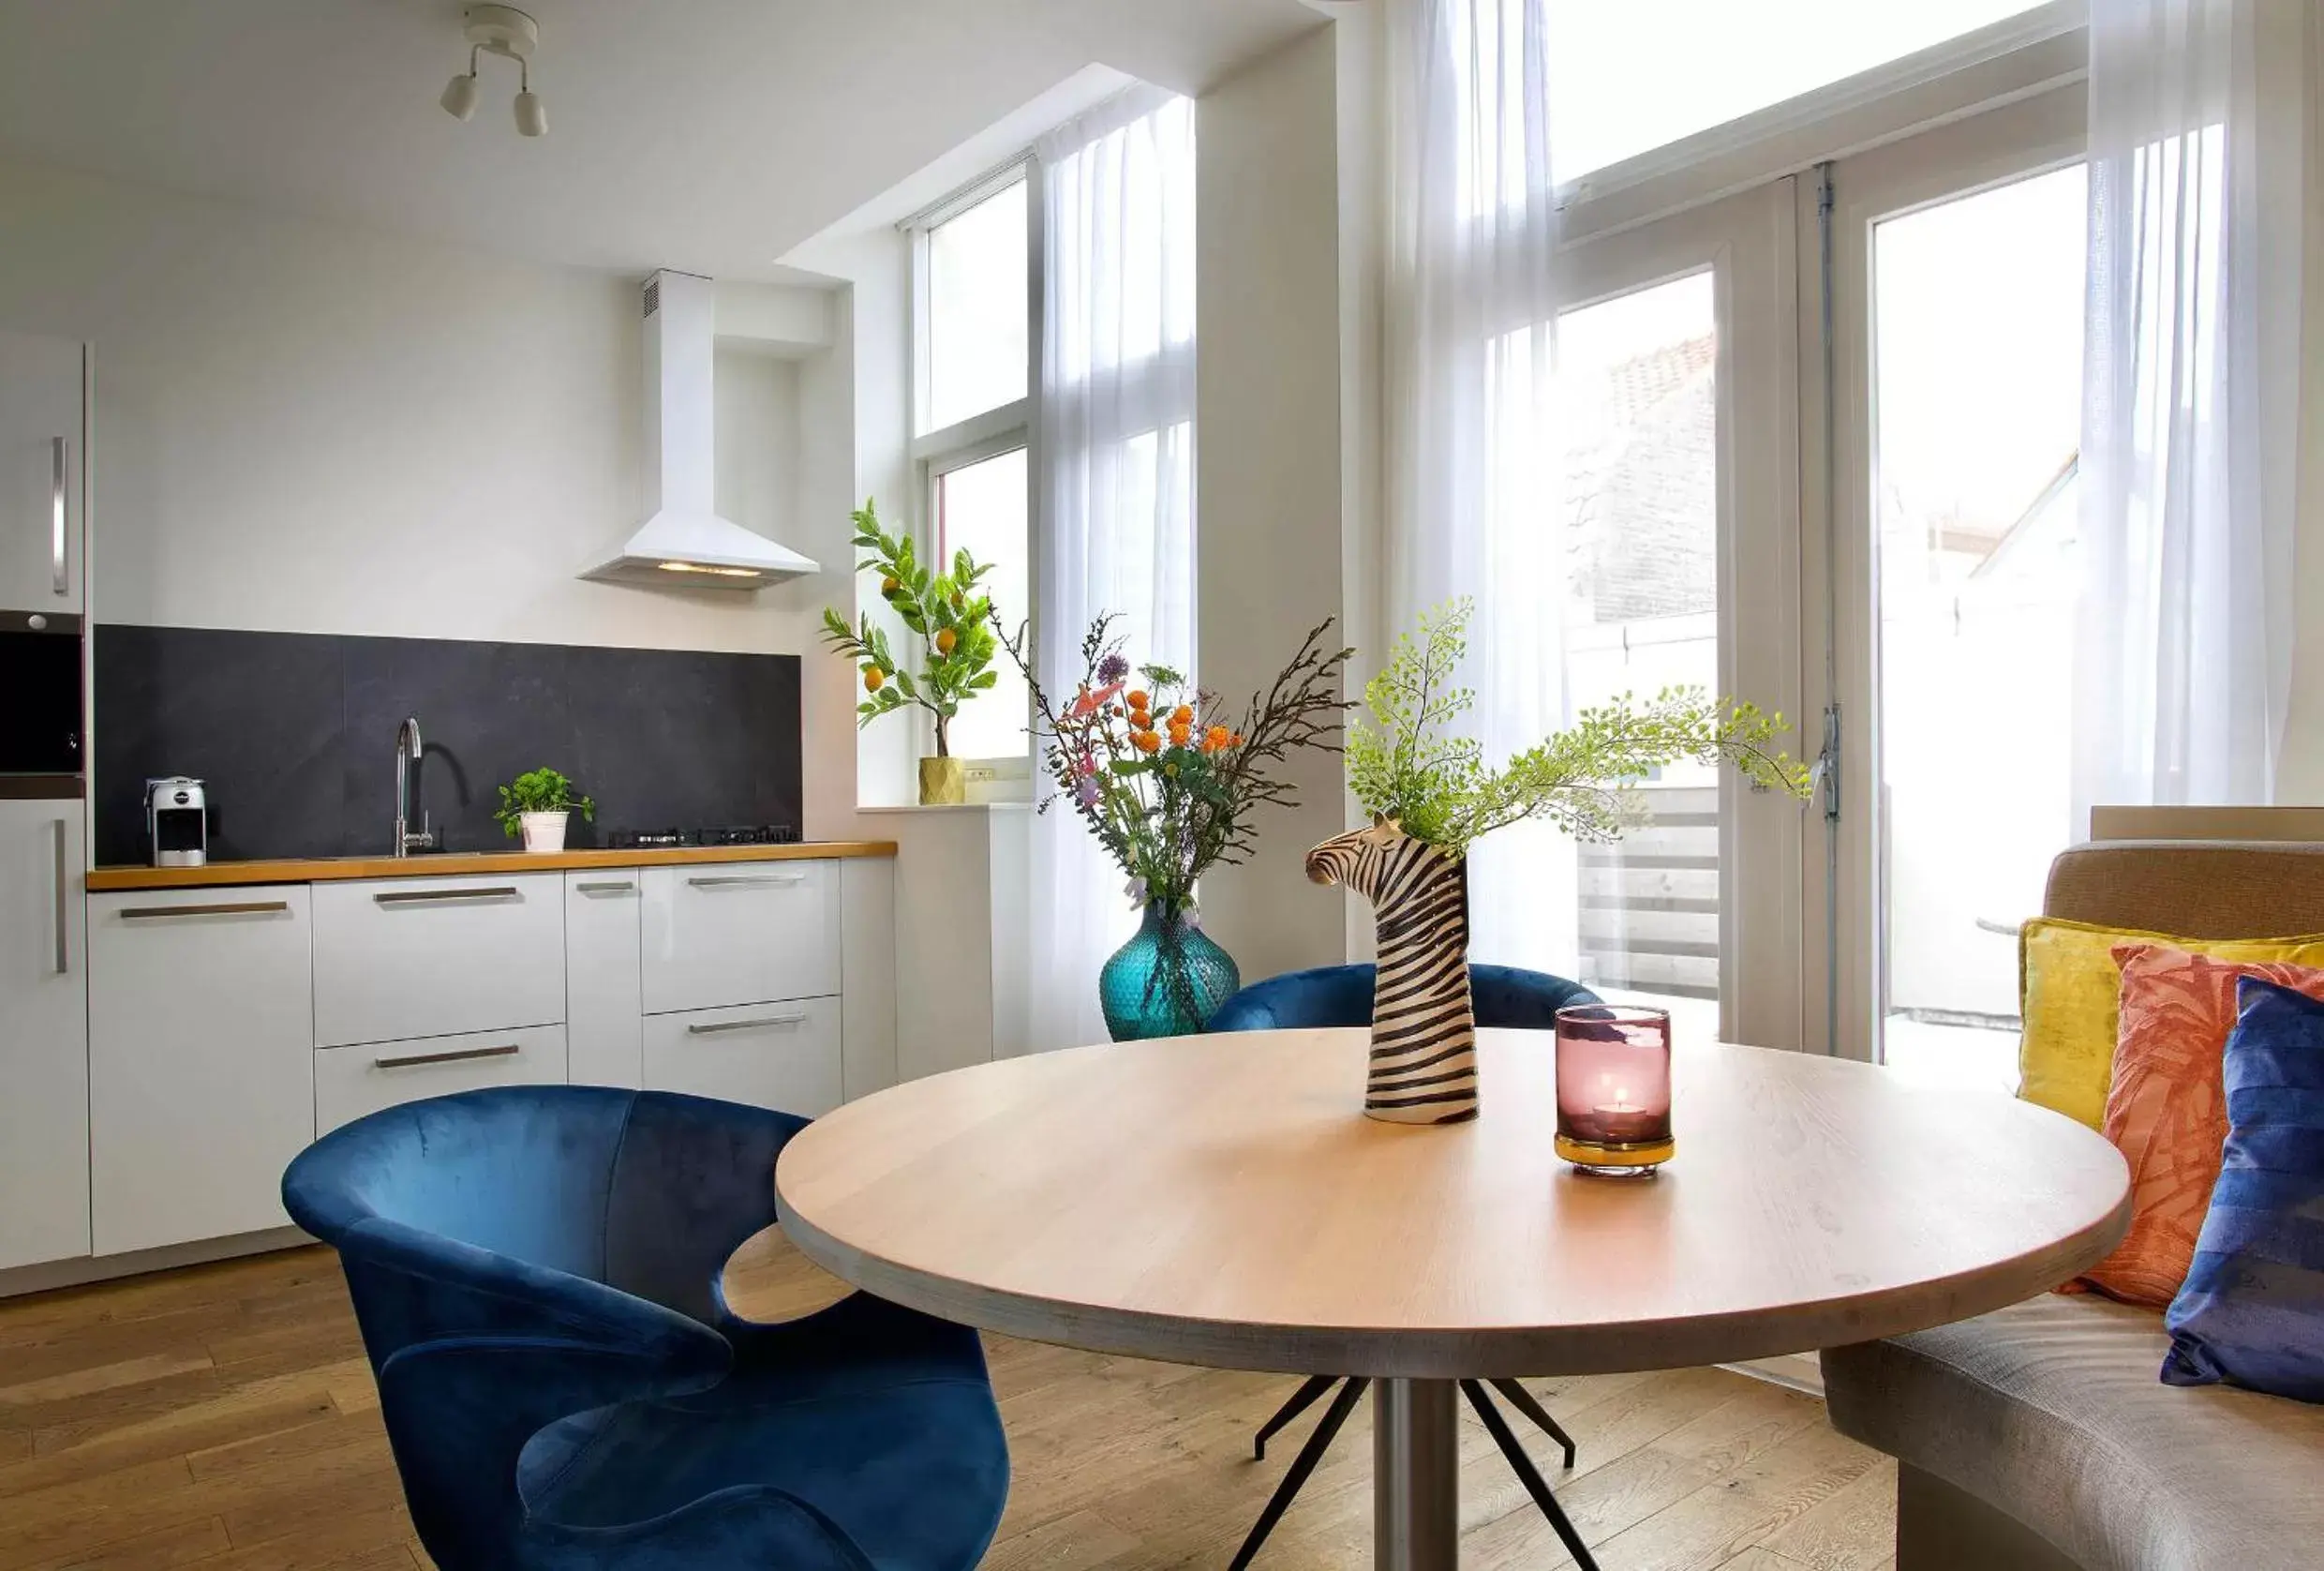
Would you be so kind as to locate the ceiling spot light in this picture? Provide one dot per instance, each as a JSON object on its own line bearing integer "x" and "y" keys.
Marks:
{"x": 509, "y": 33}
{"x": 459, "y": 100}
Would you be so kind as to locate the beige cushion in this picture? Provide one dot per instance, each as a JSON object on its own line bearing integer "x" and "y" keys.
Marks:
{"x": 2050, "y": 1409}
{"x": 2203, "y": 889}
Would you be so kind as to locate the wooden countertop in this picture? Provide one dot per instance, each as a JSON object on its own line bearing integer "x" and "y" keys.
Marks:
{"x": 455, "y": 864}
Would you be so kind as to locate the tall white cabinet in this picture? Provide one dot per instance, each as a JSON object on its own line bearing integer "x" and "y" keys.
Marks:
{"x": 44, "y": 1063}
{"x": 41, "y": 402}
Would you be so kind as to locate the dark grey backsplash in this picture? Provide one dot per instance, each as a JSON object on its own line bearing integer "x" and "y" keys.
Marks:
{"x": 295, "y": 733}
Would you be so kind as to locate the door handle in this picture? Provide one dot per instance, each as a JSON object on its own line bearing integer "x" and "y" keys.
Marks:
{"x": 59, "y": 580}
{"x": 64, "y": 910}
{"x": 778, "y": 880}
{"x": 610, "y": 886}
{"x": 712, "y": 1028}
{"x": 418, "y": 897}
{"x": 233, "y": 909}
{"x": 457, "y": 1056}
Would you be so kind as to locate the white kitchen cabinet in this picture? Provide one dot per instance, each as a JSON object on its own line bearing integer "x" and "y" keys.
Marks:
{"x": 201, "y": 1060}
{"x": 350, "y": 1082}
{"x": 44, "y": 1044}
{"x": 742, "y": 932}
{"x": 40, "y": 472}
{"x": 784, "y": 1056}
{"x": 396, "y": 958}
{"x": 602, "y": 1029}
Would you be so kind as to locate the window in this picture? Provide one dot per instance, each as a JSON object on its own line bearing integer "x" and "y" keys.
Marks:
{"x": 973, "y": 343}
{"x": 1626, "y": 79}
{"x": 977, "y": 304}
{"x": 980, "y": 507}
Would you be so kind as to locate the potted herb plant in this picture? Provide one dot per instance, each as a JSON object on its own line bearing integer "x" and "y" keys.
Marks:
{"x": 1431, "y": 795}
{"x": 1169, "y": 783}
{"x": 952, "y": 620}
{"x": 536, "y": 804}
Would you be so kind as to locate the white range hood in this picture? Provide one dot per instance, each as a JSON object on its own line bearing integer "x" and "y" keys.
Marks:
{"x": 683, "y": 542}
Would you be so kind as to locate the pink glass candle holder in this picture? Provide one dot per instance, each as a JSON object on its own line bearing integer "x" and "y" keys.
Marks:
{"x": 1613, "y": 1089}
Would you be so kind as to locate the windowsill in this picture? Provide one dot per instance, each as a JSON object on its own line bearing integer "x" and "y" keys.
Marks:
{"x": 953, "y": 807}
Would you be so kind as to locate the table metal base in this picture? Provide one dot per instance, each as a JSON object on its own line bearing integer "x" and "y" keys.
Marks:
{"x": 1415, "y": 1475}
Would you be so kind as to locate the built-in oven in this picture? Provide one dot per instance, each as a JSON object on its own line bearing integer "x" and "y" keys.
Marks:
{"x": 40, "y": 704}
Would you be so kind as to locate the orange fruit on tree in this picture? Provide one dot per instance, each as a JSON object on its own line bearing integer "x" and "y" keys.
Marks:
{"x": 945, "y": 639}
{"x": 872, "y": 676}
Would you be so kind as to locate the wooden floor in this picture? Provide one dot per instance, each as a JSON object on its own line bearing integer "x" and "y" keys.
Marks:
{"x": 224, "y": 1418}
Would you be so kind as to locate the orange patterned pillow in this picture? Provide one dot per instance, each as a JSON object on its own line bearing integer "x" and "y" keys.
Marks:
{"x": 2165, "y": 1110}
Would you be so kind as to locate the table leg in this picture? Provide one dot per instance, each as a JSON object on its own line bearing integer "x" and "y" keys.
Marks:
{"x": 1415, "y": 1476}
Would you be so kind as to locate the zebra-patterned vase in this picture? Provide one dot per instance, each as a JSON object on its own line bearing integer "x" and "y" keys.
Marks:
{"x": 1424, "y": 1066}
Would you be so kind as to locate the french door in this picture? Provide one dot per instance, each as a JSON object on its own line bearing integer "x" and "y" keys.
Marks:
{"x": 1678, "y": 563}
{"x": 1941, "y": 580}
{"x": 1819, "y": 451}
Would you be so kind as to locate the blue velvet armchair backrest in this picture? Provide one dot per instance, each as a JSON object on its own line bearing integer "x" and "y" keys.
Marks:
{"x": 1341, "y": 996}
{"x": 520, "y": 1254}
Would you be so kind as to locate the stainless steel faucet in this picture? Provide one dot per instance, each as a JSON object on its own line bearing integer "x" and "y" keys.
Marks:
{"x": 407, "y": 839}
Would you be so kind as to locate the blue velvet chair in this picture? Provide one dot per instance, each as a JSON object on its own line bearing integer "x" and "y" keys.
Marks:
{"x": 1341, "y": 996}
{"x": 536, "y": 1273}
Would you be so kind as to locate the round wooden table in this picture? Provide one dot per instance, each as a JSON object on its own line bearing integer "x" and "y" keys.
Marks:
{"x": 1222, "y": 1200}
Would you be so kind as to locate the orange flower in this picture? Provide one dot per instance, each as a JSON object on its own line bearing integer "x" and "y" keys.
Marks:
{"x": 1140, "y": 698}
{"x": 1145, "y": 742}
{"x": 1215, "y": 739}
{"x": 1182, "y": 715}
{"x": 1140, "y": 719}
{"x": 1179, "y": 734}
{"x": 1235, "y": 741}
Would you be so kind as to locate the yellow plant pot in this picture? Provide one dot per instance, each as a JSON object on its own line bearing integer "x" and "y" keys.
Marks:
{"x": 943, "y": 783}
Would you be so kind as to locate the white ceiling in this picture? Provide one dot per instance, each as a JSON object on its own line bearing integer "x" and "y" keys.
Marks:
{"x": 709, "y": 135}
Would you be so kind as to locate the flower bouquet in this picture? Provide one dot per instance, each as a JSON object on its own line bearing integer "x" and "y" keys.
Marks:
{"x": 1169, "y": 781}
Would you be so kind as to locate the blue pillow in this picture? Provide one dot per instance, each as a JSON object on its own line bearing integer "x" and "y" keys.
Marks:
{"x": 2252, "y": 1311}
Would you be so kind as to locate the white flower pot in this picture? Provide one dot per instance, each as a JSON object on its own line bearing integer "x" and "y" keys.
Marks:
{"x": 545, "y": 831}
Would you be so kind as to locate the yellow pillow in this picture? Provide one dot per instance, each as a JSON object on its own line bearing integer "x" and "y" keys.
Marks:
{"x": 2068, "y": 989}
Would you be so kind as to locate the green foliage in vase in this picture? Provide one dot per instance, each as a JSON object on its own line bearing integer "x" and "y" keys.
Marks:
{"x": 1407, "y": 764}
{"x": 541, "y": 790}
{"x": 946, "y": 611}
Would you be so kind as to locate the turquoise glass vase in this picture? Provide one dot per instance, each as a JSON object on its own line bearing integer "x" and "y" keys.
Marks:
{"x": 1166, "y": 982}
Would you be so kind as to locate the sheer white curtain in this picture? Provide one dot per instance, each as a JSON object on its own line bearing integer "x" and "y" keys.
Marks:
{"x": 1472, "y": 466}
{"x": 1115, "y": 448}
{"x": 2191, "y": 395}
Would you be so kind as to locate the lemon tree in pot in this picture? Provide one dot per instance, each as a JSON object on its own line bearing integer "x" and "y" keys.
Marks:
{"x": 536, "y": 804}
{"x": 948, "y": 614}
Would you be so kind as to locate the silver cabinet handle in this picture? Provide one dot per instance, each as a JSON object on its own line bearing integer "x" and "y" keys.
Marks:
{"x": 778, "y": 880}
{"x": 58, "y": 579}
{"x": 63, "y": 912}
{"x": 610, "y": 886}
{"x": 232, "y": 909}
{"x": 418, "y": 897}
{"x": 711, "y": 1028}
{"x": 457, "y": 1056}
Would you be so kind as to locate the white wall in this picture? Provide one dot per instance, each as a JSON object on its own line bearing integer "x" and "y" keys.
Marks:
{"x": 1267, "y": 457}
{"x": 302, "y": 427}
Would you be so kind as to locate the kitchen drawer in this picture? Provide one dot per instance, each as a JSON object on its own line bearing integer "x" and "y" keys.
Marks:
{"x": 783, "y": 1056}
{"x": 744, "y": 933}
{"x": 350, "y": 1082}
{"x": 600, "y": 976}
{"x": 438, "y": 957}
{"x": 201, "y": 1061}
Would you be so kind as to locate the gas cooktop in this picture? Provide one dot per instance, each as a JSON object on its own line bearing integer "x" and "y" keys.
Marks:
{"x": 729, "y": 834}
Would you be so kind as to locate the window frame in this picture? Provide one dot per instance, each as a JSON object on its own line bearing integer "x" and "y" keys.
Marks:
{"x": 1006, "y": 428}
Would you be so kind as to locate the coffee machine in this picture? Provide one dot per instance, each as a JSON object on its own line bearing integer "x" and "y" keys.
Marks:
{"x": 177, "y": 822}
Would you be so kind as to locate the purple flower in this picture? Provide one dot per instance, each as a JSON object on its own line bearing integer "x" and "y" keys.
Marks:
{"x": 1111, "y": 669}
{"x": 1086, "y": 792}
